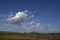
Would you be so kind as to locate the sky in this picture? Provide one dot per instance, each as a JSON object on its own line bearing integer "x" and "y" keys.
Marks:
{"x": 30, "y": 15}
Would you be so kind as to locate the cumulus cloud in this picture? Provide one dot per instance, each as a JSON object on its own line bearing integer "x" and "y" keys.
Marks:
{"x": 26, "y": 11}
{"x": 18, "y": 18}
{"x": 38, "y": 24}
{"x": 32, "y": 16}
{"x": 32, "y": 26}
{"x": 11, "y": 15}
{"x": 29, "y": 22}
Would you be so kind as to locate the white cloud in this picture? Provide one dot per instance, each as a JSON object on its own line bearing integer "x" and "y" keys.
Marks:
{"x": 18, "y": 18}
{"x": 26, "y": 11}
{"x": 11, "y": 15}
{"x": 38, "y": 25}
{"x": 32, "y": 22}
{"x": 49, "y": 25}
{"x": 32, "y": 16}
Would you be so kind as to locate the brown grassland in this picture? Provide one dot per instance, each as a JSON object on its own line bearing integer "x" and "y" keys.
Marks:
{"x": 29, "y": 36}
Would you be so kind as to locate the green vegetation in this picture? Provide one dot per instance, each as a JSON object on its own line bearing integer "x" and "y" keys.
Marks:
{"x": 29, "y": 36}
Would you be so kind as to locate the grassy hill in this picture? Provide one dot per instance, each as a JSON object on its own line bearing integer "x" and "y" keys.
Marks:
{"x": 29, "y": 36}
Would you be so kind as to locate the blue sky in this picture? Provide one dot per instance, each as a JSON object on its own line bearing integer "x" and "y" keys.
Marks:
{"x": 47, "y": 11}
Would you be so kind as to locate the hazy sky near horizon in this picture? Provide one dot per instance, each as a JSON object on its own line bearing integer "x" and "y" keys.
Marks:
{"x": 44, "y": 12}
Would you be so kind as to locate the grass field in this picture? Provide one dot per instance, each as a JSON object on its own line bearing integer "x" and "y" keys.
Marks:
{"x": 29, "y": 36}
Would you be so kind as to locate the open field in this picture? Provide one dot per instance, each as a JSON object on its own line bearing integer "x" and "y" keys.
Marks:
{"x": 29, "y": 36}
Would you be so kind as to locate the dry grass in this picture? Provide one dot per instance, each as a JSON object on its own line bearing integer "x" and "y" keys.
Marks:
{"x": 36, "y": 36}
